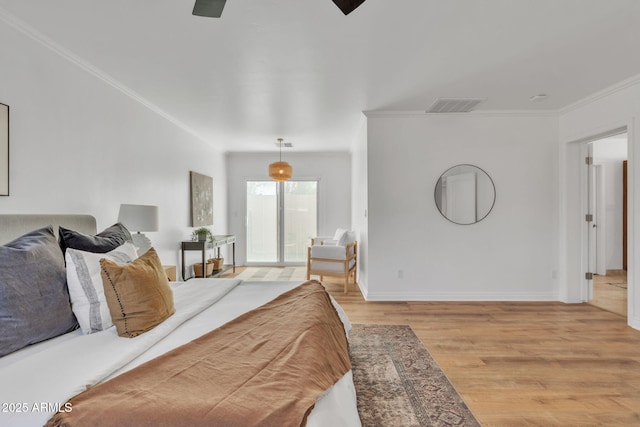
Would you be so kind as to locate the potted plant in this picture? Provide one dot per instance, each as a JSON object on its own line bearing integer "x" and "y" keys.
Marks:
{"x": 202, "y": 234}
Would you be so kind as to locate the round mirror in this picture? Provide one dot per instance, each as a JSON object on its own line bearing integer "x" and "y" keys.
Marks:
{"x": 465, "y": 194}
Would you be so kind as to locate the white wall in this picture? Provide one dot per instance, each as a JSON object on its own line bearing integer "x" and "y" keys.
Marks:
{"x": 359, "y": 202}
{"x": 416, "y": 254}
{"x": 333, "y": 170}
{"x": 615, "y": 107}
{"x": 79, "y": 145}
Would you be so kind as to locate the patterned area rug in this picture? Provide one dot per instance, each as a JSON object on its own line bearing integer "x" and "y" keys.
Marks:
{"x": 399, "y": 384}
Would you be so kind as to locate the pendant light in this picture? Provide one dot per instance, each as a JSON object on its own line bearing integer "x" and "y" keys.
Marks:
{"x": 280, "y": 171}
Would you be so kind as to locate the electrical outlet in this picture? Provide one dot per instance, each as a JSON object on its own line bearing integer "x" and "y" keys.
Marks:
{"x": 400, "y": 274}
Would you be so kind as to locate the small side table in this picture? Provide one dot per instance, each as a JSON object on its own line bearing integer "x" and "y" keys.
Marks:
{"x": 170, "y": 271}
{"x": 202, "y": 246}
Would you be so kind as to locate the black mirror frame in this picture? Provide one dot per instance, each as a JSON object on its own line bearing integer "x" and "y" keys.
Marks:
{"x": 439, "y": 181}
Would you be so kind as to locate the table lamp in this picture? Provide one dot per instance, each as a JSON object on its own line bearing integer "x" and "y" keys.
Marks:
{"x": 139, "y": 218}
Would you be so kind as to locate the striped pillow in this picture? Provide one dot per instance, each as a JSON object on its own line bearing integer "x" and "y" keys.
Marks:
{"x": 86, "y": 291}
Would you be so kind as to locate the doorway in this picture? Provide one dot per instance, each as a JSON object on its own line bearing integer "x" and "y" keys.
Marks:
{"x": 282, "y": 217}
{"x": 607, "y": 233}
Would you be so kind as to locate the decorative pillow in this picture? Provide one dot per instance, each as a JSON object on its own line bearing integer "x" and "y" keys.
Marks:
{"x": 348, "y": 237}
{"x": 339, "y": 236}
{"x": 138, "y": 294}
{"x": 103, "y": 242}
{"x": 34, "y": 301}
{"x": 85, "y": 285}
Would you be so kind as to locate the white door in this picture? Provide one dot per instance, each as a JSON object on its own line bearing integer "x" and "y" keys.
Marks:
{"x": 590, "y": 222}
{"x": 600, "y": 219}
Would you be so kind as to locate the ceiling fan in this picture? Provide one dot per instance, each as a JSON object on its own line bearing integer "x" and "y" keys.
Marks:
{"x": 213, "y": 8}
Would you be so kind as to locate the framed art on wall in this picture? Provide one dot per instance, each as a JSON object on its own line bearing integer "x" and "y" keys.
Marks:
{"x": 201, "y": 200}
{"x": 4, "y": 150}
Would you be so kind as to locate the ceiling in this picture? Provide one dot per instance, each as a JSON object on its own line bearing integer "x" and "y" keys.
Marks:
{"x": 301, "y": 70}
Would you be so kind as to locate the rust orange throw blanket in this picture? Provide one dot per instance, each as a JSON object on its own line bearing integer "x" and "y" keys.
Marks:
{"x": 265, "y": 368}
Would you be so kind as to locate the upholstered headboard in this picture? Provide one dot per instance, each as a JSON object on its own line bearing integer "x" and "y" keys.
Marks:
{"x": 15, "y": 225}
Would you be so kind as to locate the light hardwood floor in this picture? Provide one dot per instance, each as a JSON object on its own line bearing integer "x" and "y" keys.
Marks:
{"x": 524, "y": 364}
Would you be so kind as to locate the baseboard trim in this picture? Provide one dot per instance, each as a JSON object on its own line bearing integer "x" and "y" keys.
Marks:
{"x": 364, "y": 290}
{"x": 460, "y": 296}
{"x": 634, "y": 323}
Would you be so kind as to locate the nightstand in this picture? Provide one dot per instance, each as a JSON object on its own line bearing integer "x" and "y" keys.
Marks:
{"x": 170, "y": 271}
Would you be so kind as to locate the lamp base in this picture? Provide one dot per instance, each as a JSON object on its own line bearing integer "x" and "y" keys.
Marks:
{"x": 141, "y": 242}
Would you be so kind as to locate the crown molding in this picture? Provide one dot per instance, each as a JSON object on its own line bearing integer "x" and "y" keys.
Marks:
{"x": 480, "y": 113}
{"x": 58, "y": 49}
{"x": 624, "y": 84}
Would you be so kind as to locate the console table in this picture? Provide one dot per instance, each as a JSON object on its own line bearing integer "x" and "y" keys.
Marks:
{"x": 202, "y": 246}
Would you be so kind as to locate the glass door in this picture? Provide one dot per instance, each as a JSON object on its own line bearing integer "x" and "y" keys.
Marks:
{"x": 282, "y": 217}
{"x": 262, "y": 221}
{"x": 300, "y": 219}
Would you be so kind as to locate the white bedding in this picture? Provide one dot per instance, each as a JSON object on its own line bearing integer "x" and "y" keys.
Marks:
{"x": 34, "y": 381}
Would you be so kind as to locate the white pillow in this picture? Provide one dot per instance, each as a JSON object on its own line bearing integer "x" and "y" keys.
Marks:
{"x": 340, "y": 233}
{"x": 348, "y": 237}
{"x": 84, "y": 280}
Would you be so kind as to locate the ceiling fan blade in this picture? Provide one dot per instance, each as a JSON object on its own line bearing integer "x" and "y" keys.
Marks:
{"x": 348, "y": 6}
{"x": 209, "y": 8}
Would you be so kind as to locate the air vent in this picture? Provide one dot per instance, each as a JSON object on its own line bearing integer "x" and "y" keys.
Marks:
{"x": 284, "y": 145}
{"x": 454, "y": 105}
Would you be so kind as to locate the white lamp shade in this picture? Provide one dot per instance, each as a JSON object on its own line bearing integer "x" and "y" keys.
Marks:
{"x": 139, "y": 217}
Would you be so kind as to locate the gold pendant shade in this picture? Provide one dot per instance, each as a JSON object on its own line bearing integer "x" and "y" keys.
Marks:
{"x": 280, "y": 171}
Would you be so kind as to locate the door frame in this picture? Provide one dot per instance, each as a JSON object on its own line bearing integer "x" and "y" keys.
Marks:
{"x": 574, "y": 130}
{"x": 572, "y": 273}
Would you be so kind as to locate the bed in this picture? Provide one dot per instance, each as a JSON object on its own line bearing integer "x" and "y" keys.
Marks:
{"x": 50, "y": 377}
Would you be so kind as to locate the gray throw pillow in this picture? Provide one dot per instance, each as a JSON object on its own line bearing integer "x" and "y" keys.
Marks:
{"x": 101, "y": 243}
{"x": 34, "y": 300}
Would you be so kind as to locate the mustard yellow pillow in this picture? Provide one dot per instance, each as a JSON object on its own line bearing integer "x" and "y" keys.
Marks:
{"x": 138, "y": 294}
